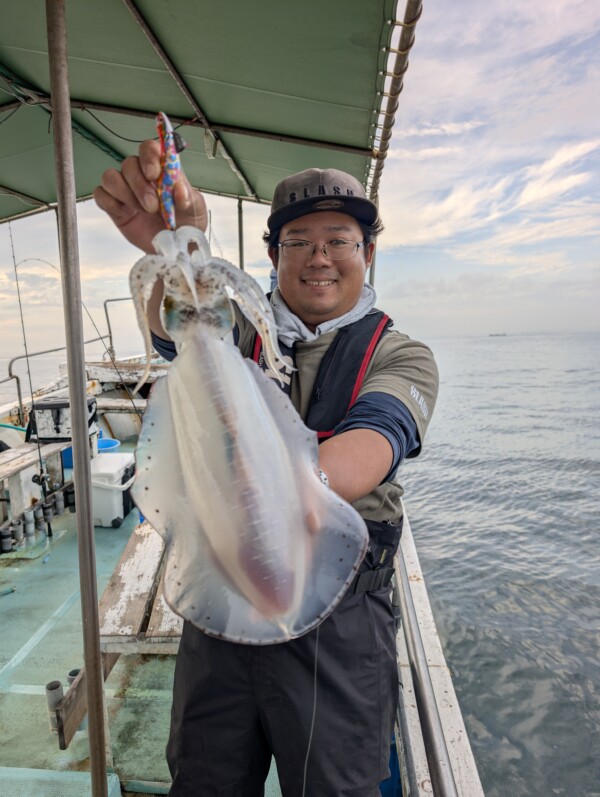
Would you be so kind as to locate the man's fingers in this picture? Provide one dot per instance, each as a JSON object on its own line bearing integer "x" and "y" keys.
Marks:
{"x": 114, "y": 185}
{"x": 137, "y": 186}
{"x": 182, "y": 193}
{"x": 118, "y": 212}
{"x": 149, "y": 160}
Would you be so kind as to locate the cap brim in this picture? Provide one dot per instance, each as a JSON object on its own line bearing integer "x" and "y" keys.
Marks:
{"x": 361, "y": 209}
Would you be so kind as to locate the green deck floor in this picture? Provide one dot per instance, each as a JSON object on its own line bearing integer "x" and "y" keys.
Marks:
{"x": 41, "y": 632}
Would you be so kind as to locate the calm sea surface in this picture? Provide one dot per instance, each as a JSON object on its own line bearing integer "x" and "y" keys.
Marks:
{"x": 504, "y": 504}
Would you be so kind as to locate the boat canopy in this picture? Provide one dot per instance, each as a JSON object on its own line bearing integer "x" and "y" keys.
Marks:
{"x": 259, "y": 90}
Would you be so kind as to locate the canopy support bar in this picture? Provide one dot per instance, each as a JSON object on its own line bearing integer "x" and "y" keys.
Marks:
{"x": 83, "y": 105}
{"x": 71, "y": 284}
{"x": 241, "y": 233}
{"x": 177, "y": 77}
{"x": 221, "y": 128}
{"x": 31, "y": 200}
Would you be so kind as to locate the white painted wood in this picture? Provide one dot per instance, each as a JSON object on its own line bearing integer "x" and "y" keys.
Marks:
{"x": 16, "y": 459}
{"x": 127, "y": 372}
{"x": 164, "y": 625}
{"x": 121, "y": 405}
{"x": 19, "y": 465}
{"x": 141, "y": 646}
{"x": 22, "y": 491}
{"x": 125, "y": 600}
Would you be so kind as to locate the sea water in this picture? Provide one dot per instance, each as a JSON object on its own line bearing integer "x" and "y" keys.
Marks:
{"x": 504, "y": 504}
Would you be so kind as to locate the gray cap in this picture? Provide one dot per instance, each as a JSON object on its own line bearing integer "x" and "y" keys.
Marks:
{"x": 319, "y": 189}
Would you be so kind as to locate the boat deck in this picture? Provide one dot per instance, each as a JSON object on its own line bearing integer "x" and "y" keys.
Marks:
{"x": 42, "y": 641}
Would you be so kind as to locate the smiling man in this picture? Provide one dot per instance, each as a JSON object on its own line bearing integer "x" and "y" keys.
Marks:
{"x": 323, "y": 704}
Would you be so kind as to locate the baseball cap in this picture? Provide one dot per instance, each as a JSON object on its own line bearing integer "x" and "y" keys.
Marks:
{"x": 314, "y": 190}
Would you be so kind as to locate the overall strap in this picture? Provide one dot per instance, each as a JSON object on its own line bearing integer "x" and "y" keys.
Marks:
{"x": 342, "y": 372}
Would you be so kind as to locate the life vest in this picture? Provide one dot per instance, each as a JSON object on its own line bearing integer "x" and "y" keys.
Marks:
{"x": 341, "y": 372}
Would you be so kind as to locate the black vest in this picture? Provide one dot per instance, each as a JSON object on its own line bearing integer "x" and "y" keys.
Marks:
{"x": 341, "y": 372}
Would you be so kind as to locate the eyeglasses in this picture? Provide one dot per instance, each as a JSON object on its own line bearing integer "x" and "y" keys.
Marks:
{"x": 297, "y": 251}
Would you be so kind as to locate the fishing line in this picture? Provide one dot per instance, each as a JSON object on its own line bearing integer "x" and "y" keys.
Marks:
{"x": 314, "y": 713}
{"x": 118, "y": 135}
{"x": 39, "y": 448}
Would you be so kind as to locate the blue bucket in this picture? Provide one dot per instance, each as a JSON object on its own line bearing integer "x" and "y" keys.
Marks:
{"x": 108, "y": 444}
{"x": 105, "y": 444}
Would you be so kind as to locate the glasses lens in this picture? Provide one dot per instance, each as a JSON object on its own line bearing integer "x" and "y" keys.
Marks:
{"x": 340, "y": 249}
{"x": 297, "y": 250}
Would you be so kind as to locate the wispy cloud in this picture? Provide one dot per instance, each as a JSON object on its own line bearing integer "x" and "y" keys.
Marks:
{"x": 549, "y": 180}
{"x": 442, "y": 129}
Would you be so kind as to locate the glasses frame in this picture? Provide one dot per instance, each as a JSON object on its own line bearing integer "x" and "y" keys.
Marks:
{"x": 321, "y": 247}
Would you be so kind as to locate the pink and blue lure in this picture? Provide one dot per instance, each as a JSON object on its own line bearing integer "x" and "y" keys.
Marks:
{"x": 170, "y": 168}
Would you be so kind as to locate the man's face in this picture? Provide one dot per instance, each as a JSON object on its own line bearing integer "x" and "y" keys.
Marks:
{"x": 317, "y": 288}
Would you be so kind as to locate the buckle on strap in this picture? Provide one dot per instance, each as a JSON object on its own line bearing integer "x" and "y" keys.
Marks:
{"x": 371, "y": 580}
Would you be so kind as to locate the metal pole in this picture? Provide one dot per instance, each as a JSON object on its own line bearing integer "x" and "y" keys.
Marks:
{"x": 440, "y": 768}
{"x": 241, "y": 232}
{"x": 372, "y": 268}
{"x": 69, "y": 255}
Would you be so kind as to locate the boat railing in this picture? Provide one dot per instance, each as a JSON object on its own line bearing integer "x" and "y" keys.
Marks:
{"x": 17, "y": 379}
{"x": 438, "y": 758}
{"x": 108, "y": 326}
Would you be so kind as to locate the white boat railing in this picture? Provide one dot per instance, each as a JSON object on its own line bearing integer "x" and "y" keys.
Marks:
{"x": 17, "y": 379}
{"x": 434, "y": 749}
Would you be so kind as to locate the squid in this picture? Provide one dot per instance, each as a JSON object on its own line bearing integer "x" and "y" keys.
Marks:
{"x": 257, "y": 549}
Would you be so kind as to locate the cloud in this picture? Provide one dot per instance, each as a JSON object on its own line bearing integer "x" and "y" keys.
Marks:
{"x": 442, "y": 129}
{"x": 471, "y": 304}
{"x": 546, "y": 180}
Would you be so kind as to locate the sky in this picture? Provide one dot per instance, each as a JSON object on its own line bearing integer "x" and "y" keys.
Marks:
{"x": 490, "y": 194}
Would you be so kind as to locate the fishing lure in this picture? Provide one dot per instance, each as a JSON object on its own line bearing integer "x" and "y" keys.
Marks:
{"x": 170, "y": 167}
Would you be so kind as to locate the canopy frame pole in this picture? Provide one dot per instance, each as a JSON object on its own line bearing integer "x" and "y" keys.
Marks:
{"x": 178, "y": 78}
{"x": 71, "y": 284}
{"x": 30, "y": 200}
{"x": 241, "y": 232}
{"x": 42, "y": 100}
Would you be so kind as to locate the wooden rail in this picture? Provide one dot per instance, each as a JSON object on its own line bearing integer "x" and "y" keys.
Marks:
{"x": 134, "y": 618}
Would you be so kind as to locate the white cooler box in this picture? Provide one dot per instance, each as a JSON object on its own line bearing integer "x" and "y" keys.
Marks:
{"x": 112, "y": 477}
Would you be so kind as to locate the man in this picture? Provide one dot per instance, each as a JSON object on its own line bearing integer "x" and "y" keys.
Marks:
{"x": 323, "y": 704}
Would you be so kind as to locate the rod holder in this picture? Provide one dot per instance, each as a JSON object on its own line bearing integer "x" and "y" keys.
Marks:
{"x": 54, "y": 694}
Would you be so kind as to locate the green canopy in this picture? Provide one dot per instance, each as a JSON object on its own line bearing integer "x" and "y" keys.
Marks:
{"x": 261, "y": 89}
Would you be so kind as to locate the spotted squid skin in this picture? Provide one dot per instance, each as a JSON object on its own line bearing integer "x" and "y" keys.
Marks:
{"x": 198, "y": 291}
